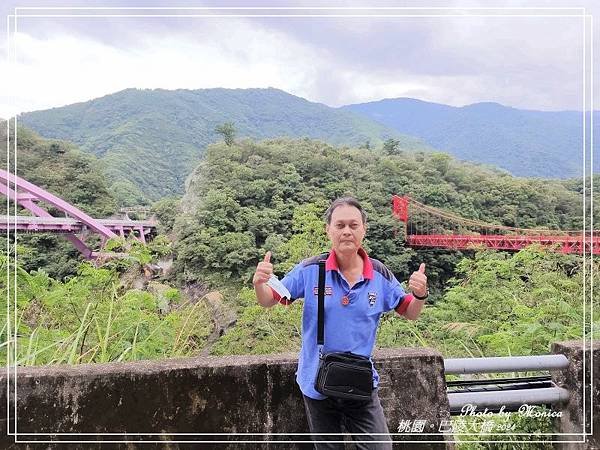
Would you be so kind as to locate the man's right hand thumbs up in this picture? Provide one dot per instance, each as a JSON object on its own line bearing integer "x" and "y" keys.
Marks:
{"x": 264, "y": 270}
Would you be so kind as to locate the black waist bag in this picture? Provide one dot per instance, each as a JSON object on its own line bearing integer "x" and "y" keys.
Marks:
{"x": 345, "y": 375}
{"x": 341, "y": 375}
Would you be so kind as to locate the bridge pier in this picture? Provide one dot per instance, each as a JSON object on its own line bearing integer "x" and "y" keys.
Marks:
{"x": 581, "y": 415}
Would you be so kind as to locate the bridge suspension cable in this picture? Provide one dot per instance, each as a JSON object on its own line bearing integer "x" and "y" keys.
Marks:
{"x": 426, "y": 226}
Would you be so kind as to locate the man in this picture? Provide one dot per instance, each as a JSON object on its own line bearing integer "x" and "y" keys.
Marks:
{"x": 358, "y": 290}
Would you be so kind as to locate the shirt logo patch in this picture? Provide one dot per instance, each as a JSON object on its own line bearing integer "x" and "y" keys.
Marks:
{"x": 328, "y": 290}
{"x": 372, "y": 298}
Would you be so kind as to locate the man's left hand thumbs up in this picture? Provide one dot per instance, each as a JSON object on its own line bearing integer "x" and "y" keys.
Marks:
{"x": 418, "y": 282}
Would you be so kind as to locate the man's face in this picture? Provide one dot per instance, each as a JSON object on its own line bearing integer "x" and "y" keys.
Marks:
{"x": 346, "y": 230}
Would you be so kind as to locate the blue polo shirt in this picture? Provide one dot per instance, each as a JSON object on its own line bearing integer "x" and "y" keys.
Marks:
{"x": 352, "y": 313}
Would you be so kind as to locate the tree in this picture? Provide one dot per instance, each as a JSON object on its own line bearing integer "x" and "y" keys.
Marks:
{"x": 309, "y": 236}
{"x": 392, "y": 147}
{"x": 441, "y": 162}
{"x": 166, "y": 211}
{"x": 227, "y": 131}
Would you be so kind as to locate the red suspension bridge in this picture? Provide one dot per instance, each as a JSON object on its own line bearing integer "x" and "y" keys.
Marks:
{"x": 426, "y": 226}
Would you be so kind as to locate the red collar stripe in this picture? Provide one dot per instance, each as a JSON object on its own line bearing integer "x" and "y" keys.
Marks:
{"x": 331, "y": 263}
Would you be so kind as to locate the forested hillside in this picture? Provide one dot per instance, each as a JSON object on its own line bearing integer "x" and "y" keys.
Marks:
{"x": 250, "y": 197}
{"x": 526, "y": 143}
{"x": 150, "y": 140}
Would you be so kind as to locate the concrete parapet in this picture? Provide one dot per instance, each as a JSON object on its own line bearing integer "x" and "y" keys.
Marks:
{"x": 233, "y": 394}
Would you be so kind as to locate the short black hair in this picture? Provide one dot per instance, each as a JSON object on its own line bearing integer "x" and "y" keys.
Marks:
{"x": 350, "y": 201}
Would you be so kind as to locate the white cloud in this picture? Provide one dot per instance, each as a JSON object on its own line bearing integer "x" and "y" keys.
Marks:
{"x": 66, "y": 69}
{"x": 531, "y": 64}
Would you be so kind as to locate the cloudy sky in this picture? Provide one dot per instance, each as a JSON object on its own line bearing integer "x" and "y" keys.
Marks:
{"x": 532, "y": 59}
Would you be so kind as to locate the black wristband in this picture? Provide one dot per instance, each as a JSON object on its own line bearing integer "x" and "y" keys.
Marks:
{"x": 421, "y": 298}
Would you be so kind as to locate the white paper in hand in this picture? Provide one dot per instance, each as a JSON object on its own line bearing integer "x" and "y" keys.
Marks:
{"x": 278, "y": 287}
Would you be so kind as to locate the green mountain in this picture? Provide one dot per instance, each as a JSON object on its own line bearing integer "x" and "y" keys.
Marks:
{"x": 150, "y": 140}
{"x": 526, "y": 143}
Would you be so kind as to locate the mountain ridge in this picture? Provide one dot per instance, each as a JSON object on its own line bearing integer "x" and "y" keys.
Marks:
{"x": 151, "y": 139}
{"x": 530, "y": 143}
{"x": 169, "y": 130}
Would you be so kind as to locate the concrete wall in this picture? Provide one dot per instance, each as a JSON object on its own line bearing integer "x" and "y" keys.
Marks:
{"x": 240, "y": 394}
{"x": 574, "y": 379}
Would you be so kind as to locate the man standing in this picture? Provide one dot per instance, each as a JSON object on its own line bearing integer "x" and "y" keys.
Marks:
{"x": 358, "y": 290}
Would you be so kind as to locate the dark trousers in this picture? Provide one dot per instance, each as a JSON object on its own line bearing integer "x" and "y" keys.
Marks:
{"x": 358, "y": 416}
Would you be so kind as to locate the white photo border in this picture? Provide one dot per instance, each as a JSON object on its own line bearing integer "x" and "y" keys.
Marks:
{"x": 13, "y": 246}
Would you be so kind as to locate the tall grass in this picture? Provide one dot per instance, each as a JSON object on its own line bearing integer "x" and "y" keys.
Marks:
{"x": 90, "y": 319}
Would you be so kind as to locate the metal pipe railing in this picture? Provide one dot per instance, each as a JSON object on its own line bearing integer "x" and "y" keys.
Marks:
{"x": 505, "y": 364}
{"x": 508, "y": 398}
